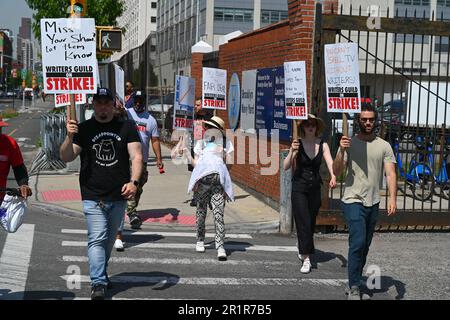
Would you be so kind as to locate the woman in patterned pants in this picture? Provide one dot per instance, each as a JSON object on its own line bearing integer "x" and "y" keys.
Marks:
{"x": 211, "y": 182}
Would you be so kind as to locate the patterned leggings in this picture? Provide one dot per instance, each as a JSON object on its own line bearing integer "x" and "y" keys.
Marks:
{"x": 210, "y": 192}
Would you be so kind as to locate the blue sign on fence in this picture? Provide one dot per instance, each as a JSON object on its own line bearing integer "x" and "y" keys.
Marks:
{"x": 279, "y": 111}
{"x": 264, "y": 99}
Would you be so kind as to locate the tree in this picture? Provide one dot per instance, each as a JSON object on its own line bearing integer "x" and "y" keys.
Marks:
{"x": 104, "y": 12}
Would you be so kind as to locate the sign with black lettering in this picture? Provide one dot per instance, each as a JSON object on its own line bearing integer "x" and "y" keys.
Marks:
{"x": 342, "y": 78}
{"x": 69, "y": 59}
{"x": 214, "y": 89}
{"x": 295, "y": 90}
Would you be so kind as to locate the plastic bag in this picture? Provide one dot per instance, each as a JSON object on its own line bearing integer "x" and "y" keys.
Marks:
{"x": 12, "y": 213}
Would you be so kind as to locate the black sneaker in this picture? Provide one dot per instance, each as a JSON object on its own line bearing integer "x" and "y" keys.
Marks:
{"x": 135, "y": 221}
{"x": 98, "y": 292}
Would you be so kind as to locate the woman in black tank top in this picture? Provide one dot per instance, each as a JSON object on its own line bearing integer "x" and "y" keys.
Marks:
{"x": 305, "y": 157}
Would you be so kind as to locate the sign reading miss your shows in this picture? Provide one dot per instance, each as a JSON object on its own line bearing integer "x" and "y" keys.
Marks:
{"x": 69, "y": 55}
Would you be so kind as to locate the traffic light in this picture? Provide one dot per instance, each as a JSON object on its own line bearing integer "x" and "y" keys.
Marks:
{"x": 34, "y": 82}
{"x": 78, "y": 7}
{"x": 109, "y": 39}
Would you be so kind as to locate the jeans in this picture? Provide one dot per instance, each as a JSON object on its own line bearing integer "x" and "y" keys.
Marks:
{"x": 103, "y": 219}
{"x": 361, "y": 223}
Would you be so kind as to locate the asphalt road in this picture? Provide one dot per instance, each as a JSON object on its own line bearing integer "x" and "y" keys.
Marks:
{"x": 160, "y": 263}
{"x": 47, "y": 259}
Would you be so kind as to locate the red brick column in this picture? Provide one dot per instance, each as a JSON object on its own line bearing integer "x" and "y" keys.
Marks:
{"x": 301, "y": 21}
{"x": 196, "y": 72}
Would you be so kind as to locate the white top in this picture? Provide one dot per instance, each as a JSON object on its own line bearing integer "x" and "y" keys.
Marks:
{"x": 147, "y": 127}
{"x": 211, "y": 161}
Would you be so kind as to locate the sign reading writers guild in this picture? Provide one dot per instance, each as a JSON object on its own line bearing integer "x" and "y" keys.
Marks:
{"x": 68, "y": 55}
{"x": 214, "y": 89}
{"x": 342, "y": 78}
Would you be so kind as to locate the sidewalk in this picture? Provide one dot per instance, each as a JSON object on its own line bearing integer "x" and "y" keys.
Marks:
{"x": 164, "y": 202}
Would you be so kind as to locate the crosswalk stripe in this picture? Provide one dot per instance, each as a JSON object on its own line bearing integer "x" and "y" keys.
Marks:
{"x": 119, "y": 298}
{"x": 234, "y": 247}
{"x": 14, "y": 262}
{"x": 183, "y": 261}
{"x": 164, "y": 234}
{"x": 218, "y": 281}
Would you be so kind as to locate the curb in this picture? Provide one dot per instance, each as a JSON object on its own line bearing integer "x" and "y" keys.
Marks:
{"x": 250, "y": 227}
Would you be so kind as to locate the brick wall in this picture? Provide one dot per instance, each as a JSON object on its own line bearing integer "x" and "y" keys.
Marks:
{"x": 289, "y": 40}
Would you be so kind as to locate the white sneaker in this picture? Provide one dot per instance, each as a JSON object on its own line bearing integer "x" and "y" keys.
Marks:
{"x": 200, "y": 246}
{"x": 306, "y": 267}
{"x": 221, "y": 254}
{"x": 119, "y": 245}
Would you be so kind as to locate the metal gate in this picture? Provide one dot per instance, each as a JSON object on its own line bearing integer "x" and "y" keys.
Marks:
{"x": 404, "y": 60}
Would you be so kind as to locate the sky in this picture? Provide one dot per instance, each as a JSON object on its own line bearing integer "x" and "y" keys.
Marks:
{"x": 11, "y": 12}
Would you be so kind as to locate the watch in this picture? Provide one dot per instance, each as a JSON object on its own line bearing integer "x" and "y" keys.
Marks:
{"x": 135, "y": 182}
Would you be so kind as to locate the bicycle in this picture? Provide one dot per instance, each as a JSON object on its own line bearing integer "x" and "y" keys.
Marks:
{"x": 441, "y": 178}
{"x": 419, "y": 177}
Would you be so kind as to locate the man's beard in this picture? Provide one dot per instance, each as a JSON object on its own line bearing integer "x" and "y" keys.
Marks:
{"x": 103, "y": 116}
{"x": 363, "y": 130}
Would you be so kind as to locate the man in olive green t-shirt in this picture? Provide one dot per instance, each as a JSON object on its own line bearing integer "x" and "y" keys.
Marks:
{"x": 364, "y": 157}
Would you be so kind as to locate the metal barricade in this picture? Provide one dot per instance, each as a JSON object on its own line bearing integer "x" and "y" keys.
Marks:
{"x": 53, "y": 133}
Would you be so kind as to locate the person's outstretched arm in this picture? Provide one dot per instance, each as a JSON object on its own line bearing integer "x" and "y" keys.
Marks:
{"x": 329, "y": 161}
{"x": 68, "y": 150}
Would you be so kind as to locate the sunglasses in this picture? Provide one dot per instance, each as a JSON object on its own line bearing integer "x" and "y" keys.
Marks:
{"x": 310, "y": 124}
{"x": 371, "y": 120}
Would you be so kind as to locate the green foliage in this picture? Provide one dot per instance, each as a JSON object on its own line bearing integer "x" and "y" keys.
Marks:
{"x": 104, "y": 12}
{"x": 9, "y": 113}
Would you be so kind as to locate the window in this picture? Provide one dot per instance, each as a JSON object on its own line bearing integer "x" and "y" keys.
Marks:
{"x": 272, "y": 16}
{"x": 153, "y": 5}
{"x": 153, "y": 19}
{"x": 265, "y": 17}
{"x": 230, "y": 14}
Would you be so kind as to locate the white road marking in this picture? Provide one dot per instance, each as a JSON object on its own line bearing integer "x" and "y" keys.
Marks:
{"x": 234, "y": 247}
{"x": 14, "y": 262}
{"x": 165, "y": 234}
{"x": 221, "y": 281}
{"x": 183, "y": 261}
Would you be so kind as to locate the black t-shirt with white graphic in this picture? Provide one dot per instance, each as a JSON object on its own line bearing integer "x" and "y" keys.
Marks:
{"x": 105, "y": 165}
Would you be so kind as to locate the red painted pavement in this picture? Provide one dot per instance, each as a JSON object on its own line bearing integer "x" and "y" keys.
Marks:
{"x": 61, "y": 195}
{"x": 147, "y": 217}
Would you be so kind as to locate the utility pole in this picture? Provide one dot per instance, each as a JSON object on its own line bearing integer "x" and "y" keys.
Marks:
{"x": 78, "y": 9}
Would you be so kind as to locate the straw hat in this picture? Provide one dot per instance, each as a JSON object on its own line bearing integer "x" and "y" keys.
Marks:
{"x": 216, "y": 122}
{"x": 320, "y": 124}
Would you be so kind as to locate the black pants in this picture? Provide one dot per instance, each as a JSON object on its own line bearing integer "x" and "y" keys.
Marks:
{"x": 305, "y": 207}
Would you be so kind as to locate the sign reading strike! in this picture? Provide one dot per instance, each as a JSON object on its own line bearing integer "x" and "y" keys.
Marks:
{"x": 68, "y": 55}
{"x": 62, "y": 100}
{"x": 342, "y": 78}
{"x": 214, "y": 88}
{"x": 184, "y": 103}
{"x": 295, "y": 90}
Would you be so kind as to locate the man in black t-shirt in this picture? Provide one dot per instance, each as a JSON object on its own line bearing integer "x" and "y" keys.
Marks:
{"x": 105, "y": 145}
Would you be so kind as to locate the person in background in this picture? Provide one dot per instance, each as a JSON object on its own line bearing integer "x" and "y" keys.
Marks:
{"x": 148, "y": 132}
{"x": 364, "y": 157}
{"x": 129, "y": 90}
{"x": 11, "y": 156}
{"x": 305, "y": 156}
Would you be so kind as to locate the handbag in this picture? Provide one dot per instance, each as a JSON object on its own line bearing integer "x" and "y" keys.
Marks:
{"x": 12, "y": 212}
